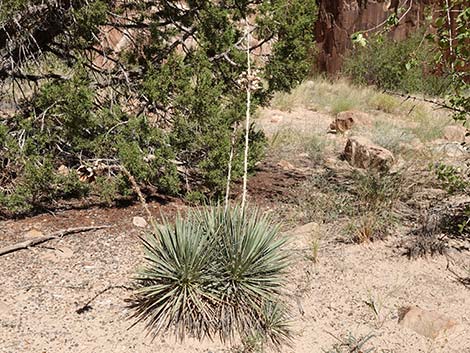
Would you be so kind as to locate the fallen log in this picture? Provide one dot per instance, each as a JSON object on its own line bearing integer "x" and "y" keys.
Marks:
{"x": 55, "y": 235}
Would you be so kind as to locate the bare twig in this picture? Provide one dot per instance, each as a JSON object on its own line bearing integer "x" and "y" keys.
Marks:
{"x": 440, "y": 104}
{"x": 87, "y": 307}
{"x": 55, "y": 235}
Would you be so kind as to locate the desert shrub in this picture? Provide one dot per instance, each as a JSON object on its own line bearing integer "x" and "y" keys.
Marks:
{"x": 361, "y": 203}
{"x": 396, "y": 65}
{"x": 391, "y": 136}
{"x": 165, "y": 108}
{"x": 455, "y": 181}
{"x": 342, "y": 104}
{"x": 385, "y": 103}
{"x": 214, "y": 272}
{"x": 315, "y": 147}
{"x": 375, "y": 196}
{"x": 452, "y": 179}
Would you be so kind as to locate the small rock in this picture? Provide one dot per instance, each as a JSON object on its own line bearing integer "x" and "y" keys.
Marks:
{"x": 360, "y": 152}
{"x": 430, "y": 324}
{"x": 342, "y": 123}
{"x": 285, "y": 165}
{"x": 149, "y": 158}
{"x": 451, "y": 149}
{"x": 345, "y": 121}
{"x": 139, "y": 222}
{"x": 454, "y": 133}
{"x": 33, "y": 233}
{"x": 63, "y": 170}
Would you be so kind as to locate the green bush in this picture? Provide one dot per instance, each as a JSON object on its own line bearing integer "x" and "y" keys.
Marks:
{"x": 165, "y": 108}
{"x": 214, "y": 272}
{"x": 396, "y": 65}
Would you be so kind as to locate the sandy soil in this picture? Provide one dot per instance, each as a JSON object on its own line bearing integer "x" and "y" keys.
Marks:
{"x": 43, "y": 287}
{"x": 351, "y": 289}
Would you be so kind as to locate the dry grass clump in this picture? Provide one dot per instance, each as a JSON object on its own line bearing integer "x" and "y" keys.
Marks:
{"x": 417, "y": 118}
{"x": 385, "y": 102}
{"x": 389, "y": 134}
{"x": 429, "y": 122}
{"x": 324, "y": 95}
{"x": 289, "y": 143}
{"x": 352, "y": 344}
{"x": 362, "y": 204}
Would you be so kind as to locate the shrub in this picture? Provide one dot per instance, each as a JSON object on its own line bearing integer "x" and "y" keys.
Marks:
{"x": 165, "y": 108}
{"x": 351, "y": 344}
{"x": 455, "y": 181}
{"x": 395, "y": 65}
{"x": 214, "y": 273}
{"x": 385, "y": 103}
{"x": 391, "y": 136}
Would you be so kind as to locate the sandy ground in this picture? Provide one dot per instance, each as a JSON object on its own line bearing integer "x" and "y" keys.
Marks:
{"x": 42, "y": 288}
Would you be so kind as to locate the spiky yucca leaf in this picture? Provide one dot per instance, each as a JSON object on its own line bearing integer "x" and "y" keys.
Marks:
{"x": 214, "y": 273}
{"x": 251, "y": 266}
{"x": 174, "y": 290}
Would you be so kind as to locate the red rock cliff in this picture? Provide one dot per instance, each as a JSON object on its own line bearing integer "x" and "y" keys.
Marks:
{"x": 338, "y": 19}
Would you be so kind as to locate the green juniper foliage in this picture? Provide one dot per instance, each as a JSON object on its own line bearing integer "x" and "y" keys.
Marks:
{"x": 165, "y": 106}
{"x": 214, "y": 273}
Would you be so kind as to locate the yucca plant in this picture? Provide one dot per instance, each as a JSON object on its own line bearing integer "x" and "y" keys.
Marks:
{"x": 214, "y": 273}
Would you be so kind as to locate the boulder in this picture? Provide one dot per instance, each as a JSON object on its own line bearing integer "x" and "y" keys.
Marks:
{"x": 360, "y": 152}
{"x": 430, "y": 324}
{"x": 342, "y": 123}
{"x": 454, "y": 133}
{"x": 345, "y": 121}
{"x": 339, "y": 19}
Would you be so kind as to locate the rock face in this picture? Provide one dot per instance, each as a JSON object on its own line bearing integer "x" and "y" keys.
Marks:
{"x": 360, "y": 152}
{"x": 426, "y": 323}
{"x": 338, "y": 19}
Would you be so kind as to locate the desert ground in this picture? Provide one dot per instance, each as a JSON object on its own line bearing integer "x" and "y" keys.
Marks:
{"x": 353, "y": 272}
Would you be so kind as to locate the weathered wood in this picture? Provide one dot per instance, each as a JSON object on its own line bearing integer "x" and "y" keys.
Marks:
{"x": 55, "y": 235}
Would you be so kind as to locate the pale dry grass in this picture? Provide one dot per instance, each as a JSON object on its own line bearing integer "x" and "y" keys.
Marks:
{"x": 324, "y": 95}
{"x": 406, "y": 127}
{"x": 289, "y": 143}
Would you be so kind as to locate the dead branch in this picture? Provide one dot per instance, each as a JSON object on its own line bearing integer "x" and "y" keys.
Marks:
{"x": 55, "y": 235}
{"x": 437, "y": 103}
